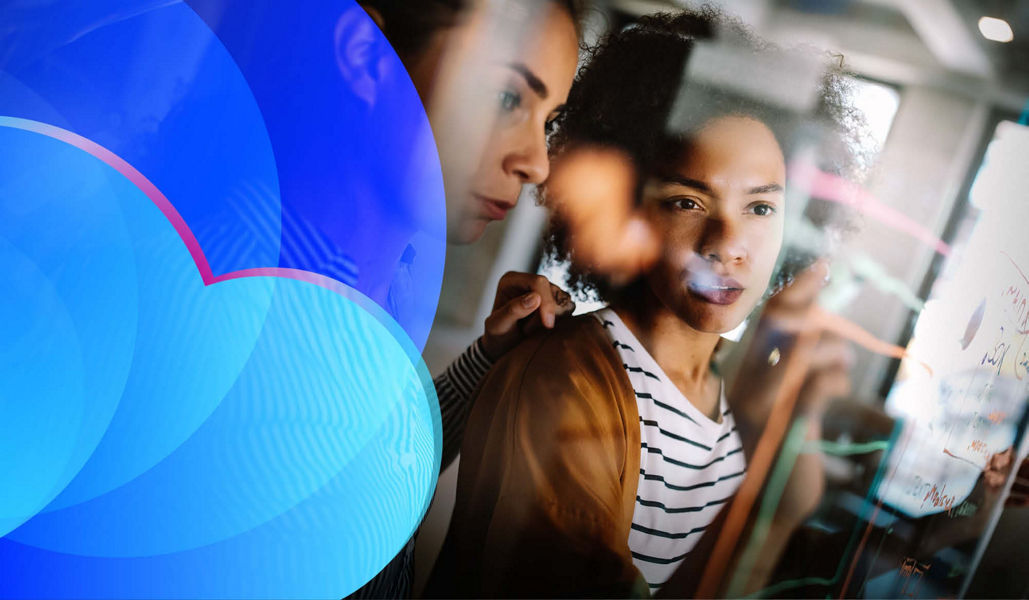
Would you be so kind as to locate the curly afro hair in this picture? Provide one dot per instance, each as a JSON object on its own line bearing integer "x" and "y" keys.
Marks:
{"x": 632, "y": 95}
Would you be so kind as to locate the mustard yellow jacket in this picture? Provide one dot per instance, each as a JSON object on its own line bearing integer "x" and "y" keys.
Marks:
{"x": 548, "y": 475}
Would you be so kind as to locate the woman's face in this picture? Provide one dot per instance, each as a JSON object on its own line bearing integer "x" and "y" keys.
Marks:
{"x": 491, "y": 85}
{"x": 720, "y": 214}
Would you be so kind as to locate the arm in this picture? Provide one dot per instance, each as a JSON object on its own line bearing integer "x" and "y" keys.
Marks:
{"x": 455, "y": 387}
{"x": 524, "y": 303}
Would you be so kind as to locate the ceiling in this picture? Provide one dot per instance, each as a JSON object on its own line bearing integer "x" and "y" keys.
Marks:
{"x": 924, "y": 42}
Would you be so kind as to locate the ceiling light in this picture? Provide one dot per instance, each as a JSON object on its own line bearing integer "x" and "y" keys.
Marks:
{"x": 997, "y": 30}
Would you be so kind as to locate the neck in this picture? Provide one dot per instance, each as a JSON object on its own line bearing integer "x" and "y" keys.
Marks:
{"x": 375, "y": 240}
{"x": 383, "y": 241}
{"x": 681, "y": 351}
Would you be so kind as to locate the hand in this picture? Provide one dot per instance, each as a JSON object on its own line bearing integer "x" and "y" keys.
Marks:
{"x": 997, "y": 468}
{"x": 1019, "y": 495}
{"x": 788, "y": 308}
{"x": 592, "y": 190}
{"x": 828, "y": 375}
{"x": 788, "y": 339}
{"x": 524, "y": 303}
{"x": 995, "y": 473}
{"x": 786, "y": 317}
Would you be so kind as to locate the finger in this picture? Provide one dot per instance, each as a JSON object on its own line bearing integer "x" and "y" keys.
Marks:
{"x": 828, "y": 372}
{"x": 832, "y": 352}
{"x": 548, "y": 306}
{"x": 565, "y": 304}
{"x": 993, "y": 478}
{"x": 552, "y": 298}
{"x": 515, "y": 283}
{"x": 505, "y": 319}
{"x": 1004, "y": 459}
{"x": 804, "y": 290}
{"x": 511, "y": 285}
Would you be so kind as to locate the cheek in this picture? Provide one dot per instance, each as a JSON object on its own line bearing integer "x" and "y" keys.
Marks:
{"x": 678, "y": 243}
{"x": 467, "y": 230}
{"x": 490, "y": 157}
{"x": 766, "y": 242}
{"x": 464, "y": 128}
{"x": 457, "y": 170}
{"x": 679, "y": 240}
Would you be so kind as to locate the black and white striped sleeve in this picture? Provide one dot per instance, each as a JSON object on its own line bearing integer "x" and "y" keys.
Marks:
{"x": 455, "y": 387}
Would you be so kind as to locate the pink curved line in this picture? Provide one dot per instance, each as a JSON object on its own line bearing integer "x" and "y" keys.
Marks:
{"x": 161, "y": 201}
{"x": 1017, "y": 268}
{"x": 837, "y": 189}
{"x": 165, "y": 206}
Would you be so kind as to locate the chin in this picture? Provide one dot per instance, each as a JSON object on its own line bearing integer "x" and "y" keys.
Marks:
{"x": 468, "y": 231}
{"x": 720, "y": 327}
{"x": 712, "y": 319}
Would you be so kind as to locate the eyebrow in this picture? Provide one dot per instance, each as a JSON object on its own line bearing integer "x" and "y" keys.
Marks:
{"x": 764, "y": 189}
{"x": 686, "y": 181}
{"x": 703, "y": 187}
{"x": 534, "y": 82}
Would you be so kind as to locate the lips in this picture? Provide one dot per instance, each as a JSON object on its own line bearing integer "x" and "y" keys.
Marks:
{"x": 494, "y": 209}
{"x": 717, "y": 290}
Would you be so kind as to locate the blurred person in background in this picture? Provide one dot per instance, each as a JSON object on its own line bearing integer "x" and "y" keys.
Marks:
{"x": 598, "y": 452}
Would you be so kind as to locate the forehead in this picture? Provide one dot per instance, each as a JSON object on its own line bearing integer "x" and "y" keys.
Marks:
{"x": 539, "y": 35}
{"x": 734, "y": 151}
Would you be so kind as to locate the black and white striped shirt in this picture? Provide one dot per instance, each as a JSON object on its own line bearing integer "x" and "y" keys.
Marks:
{"x": 690, "y": 466}
{"x": 454, "y": 387}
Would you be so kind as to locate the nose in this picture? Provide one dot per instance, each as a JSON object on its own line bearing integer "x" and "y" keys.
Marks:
{"x": 722, "y": 241}
{"x": 527, "y": 160}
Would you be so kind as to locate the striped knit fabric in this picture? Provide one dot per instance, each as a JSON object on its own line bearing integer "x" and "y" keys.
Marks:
{"x": 393, "y": 581}
{"x": 690, "y": 466}
{"x": 454, "y": 387}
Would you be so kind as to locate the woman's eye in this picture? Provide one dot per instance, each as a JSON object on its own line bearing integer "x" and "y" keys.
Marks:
{"x": 509, "y": 100}
{"x": 763, "y": 210}
{"x": 684, "y": 203}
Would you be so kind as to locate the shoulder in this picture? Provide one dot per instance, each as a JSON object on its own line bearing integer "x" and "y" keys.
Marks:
{"x": 577, "y": 345}
{"x": 574, "y": 362}
{"x": 561, "y": 398}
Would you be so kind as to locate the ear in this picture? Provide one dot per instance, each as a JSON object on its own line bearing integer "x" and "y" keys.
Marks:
{"x": 375, "y": 15}
{"x": 356, "y": 46}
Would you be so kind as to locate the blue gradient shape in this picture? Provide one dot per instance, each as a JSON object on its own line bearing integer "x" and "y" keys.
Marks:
{"x": 149, "y": 80}
{"x": 138, "y": 411}
{"x": 65, "y": 355}
{"x": 300, "y": 477}
{"x": 352, "y": 157}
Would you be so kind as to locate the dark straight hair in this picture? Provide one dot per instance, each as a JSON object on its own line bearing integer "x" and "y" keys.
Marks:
{"x": 410, "y": 24}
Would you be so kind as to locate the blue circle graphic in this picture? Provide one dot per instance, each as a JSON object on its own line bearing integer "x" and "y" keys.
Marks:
{"x": 213, "y": 385}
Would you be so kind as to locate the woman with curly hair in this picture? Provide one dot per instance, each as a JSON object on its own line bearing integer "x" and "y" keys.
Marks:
{"x": 598, "y": 453}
